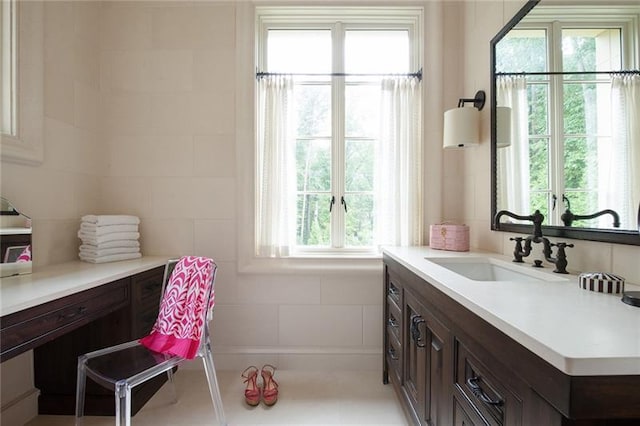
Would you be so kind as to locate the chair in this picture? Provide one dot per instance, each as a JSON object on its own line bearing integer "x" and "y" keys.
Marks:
{"x": 122, "y": 367}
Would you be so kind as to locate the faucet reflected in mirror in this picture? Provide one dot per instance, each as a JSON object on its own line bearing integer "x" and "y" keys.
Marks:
{"x": 571, "y": 120}
{"x": 560, "y": 261}
{"x": 15, "y": 241}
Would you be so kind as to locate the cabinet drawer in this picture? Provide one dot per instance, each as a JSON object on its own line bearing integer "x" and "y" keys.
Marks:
{"x": 27, "y": 329}
{"x": 462, "y": 418}
{"x": 146, "y": 288}
{"x": 394, "y": 320}
{"x": 394, "y": 292}
{"x": 393, "y": 354}
{"x": 496, "y": 404}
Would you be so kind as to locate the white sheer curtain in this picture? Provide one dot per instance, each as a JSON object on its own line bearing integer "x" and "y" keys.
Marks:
{"x": 513, "y": 161}
{"x": 620, "y": 187}
{"x": 275, "y": 227}
{"x": 398, "y": 183}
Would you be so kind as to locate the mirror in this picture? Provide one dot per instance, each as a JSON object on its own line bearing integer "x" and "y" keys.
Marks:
{"x": 560, "y": 120}
{"x": 15, "y": 241}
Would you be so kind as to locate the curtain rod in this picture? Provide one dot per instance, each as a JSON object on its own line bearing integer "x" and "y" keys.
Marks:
{"x": 262, "y": 74}
{"x": 568, "y": 72}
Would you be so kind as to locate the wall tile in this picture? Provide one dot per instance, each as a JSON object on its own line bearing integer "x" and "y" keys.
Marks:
{"x": 362, "y": 289}
{"x": 372, "y": 326}
{"x": 246, "y": 325}
{"x": 279, "y": 289}
{"x": 125, "y": 28}
{"x": 86, "y": 106}
{"x": 213, "y": 69}
{"x": 59, "y": 96}
{"x": 126, "y": 195}
{"x": 226, "y": 285}
{"x": 626, "y": 262}
{"x": 326, "y": 325}
{"x": 59, "y": 37}
{"x": 216, "y": 239}
{"x": 214, "y": 155}
{"x": 167, "y": 237}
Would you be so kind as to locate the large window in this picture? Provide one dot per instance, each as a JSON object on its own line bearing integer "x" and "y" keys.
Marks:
{"x": 337, "y": 64}
{"x": 566, "y": 66}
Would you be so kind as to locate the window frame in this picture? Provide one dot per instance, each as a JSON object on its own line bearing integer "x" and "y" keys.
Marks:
{"x": 341, "y": 20}
{"x": 26, "y": 145}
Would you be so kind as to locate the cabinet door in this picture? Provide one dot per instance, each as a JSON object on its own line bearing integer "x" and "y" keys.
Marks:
{"x": 427, "y": 361}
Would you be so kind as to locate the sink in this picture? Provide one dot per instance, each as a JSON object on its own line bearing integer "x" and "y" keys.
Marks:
{"x": 491, "y": 269}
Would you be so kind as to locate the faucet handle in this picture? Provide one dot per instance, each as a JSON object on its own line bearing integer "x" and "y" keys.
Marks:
{"x": 561, "y": 245}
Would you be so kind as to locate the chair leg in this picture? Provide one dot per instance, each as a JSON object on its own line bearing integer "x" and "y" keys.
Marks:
{"x": 123, "y": 403}
{"x": 212, "y": 380}
{"x": 81, "y": 381}
{"x": 172, "y": 385}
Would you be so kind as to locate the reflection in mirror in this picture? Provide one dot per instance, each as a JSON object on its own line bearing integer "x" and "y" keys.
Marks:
{"x": 565, "y": 119}
{"x": 15, "y": 241}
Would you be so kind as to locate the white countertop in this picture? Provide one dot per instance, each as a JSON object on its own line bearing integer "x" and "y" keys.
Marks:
{"x": 580, "y": 332}
{"x": 57, "y": 281}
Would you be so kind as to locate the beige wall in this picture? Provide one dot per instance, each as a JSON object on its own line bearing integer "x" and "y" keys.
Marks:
{"x": 148, "y": 112}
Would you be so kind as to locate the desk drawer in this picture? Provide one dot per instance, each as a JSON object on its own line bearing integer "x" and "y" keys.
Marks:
{"x": 27, "y": 329}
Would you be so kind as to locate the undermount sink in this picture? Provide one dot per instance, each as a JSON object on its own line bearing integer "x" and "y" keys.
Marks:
{"x": 491, "y": 269}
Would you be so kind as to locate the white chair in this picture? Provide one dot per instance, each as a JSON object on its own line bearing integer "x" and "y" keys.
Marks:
{"x": 122, "y": 367}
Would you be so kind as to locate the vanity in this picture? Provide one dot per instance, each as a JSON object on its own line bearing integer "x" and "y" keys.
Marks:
{"x": 525, "y": 348}
{"x": 65, "y": 310}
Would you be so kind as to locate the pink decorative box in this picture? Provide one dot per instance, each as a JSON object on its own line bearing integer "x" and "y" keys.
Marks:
{"x": 449, "y": 237}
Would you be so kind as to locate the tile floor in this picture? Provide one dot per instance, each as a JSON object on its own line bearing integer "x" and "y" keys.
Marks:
{"x": 306, "y": 398}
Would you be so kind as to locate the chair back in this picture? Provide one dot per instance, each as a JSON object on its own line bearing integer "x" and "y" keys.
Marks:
{"x": 168, "y": 304}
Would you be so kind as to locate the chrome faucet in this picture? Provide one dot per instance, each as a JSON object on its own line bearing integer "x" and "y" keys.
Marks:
{"x": 519, "y": 252}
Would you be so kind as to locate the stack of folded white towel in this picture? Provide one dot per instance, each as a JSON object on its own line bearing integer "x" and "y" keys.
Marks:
{"x": 109, "y": 238}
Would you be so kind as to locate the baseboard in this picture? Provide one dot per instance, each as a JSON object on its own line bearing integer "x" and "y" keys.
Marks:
{"x": 21, "y": 409}
{"x": 237, "y": 358}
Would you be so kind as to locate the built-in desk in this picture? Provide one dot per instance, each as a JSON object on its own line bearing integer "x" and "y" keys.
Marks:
{"x": 65, "y": 310}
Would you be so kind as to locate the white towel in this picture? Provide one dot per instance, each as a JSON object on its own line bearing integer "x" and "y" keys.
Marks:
{"x": 95, "y": 240}
{"x": 108, "y": 251}
{"x": 110, "y": 244}
{"x": 110, "y": 258}
{"x": 111, "y": 219}
{"x": 106, "y": 229}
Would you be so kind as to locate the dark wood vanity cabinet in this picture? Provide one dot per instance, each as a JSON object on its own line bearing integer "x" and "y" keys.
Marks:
{"x": 132, "y": 317}
{"x": 450, "y": 367}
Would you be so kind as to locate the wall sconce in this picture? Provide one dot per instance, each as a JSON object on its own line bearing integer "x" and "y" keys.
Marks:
{"x": 503, "y": 127}
{"x": 462, "y": 125}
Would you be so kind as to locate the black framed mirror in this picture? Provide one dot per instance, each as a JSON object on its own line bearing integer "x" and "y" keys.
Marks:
{"x": 629, "y": 233}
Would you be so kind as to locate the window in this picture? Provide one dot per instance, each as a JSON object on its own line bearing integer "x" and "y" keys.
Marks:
{"x": 338, "y": 59}
{"x": 22, "y": 82}
{"x": 8, "y": 68}
{"x": 569, "y": 111}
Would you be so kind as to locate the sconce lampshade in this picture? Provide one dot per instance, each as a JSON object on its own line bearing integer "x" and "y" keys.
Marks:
{"x": 461, "y": 127}
{"x": 503, "y": 127}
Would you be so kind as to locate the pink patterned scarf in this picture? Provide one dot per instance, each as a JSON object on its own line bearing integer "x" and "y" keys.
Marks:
{"x": 183, "y": 310}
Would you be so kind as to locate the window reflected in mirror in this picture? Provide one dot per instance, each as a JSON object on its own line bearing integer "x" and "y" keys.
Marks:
{"x": 573, "y": 100}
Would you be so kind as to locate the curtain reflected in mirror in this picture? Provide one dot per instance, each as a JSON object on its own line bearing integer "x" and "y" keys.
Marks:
{"x": 573, "y": 95}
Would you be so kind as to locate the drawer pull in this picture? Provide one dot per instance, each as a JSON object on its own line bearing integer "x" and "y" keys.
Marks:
{"x": 393, "y": 291}
{"x": 72, "y": 314}
{"x": 472, "y": 382}
{"x": 392, "y": 354}
{"x": 392, "y": 322}
{"x": 415, "y": 330}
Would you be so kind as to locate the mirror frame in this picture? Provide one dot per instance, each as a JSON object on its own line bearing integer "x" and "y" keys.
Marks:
{"x": 615, "y": 236}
